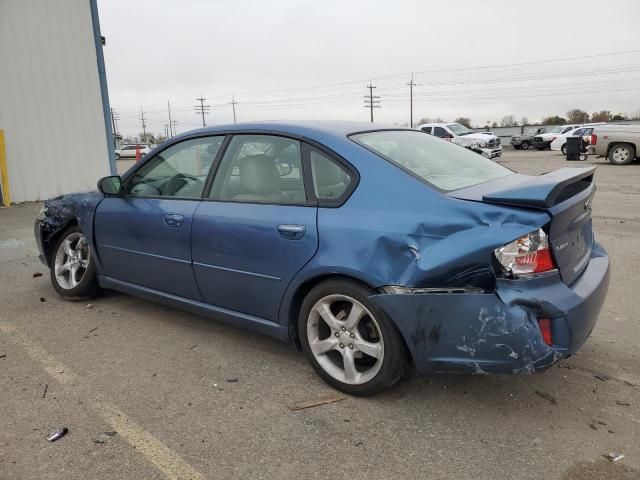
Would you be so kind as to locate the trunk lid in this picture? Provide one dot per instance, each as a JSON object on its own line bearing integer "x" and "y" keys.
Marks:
{"x": 566, "y": 194}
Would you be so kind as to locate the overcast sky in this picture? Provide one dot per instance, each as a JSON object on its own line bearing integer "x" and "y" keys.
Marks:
{"x": 294, "y": 59}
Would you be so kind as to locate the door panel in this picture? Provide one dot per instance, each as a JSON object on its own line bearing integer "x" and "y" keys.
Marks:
{"x": 245, "y": 255}
{"x": 147, "y": 241}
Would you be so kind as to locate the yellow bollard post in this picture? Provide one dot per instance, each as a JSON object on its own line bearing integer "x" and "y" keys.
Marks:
{"x": 4, "y": 174}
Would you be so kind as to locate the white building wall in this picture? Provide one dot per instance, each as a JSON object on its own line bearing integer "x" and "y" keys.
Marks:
{"x": 51, "y": 106}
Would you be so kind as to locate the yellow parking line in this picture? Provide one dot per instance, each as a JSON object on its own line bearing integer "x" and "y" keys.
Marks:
{"x": 4, "y": 173}
{"x": 152, "y": 449}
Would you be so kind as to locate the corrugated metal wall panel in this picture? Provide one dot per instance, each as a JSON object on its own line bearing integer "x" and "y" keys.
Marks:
{"x": 50, "y": 101}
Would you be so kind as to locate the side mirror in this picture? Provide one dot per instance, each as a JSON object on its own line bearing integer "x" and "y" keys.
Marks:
{"x": 110, "y": 185}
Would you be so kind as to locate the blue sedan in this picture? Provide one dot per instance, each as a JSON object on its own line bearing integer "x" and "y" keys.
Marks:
{"x": 371, "y": 249}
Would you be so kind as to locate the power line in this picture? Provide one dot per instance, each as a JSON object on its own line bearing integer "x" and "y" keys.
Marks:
{"x": 202, "y": 109}
{"x": 175, "y": 126}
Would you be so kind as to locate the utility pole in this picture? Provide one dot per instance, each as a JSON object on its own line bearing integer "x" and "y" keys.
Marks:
{"x": 411, "y": 85}
{"x": 371, "y": 101}
{"x": 170, "y": 123}
{"x": 144, "y": 126}
{"x": 202, "y": 108}
{"x": 166, "y": 130}
{"x": 175, "y": 128}
{"x": 233, "y": 104}
{"x": 114, "y": 118}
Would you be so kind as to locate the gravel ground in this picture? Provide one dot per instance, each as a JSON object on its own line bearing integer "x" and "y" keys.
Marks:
{"x": 189, "y": 397}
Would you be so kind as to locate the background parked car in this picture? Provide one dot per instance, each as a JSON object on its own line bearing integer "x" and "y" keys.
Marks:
{"x": 619, "y": 143}
{"x": 560, "y": 142}
{"x": 543, "y": 141}
{"x": 461, "y": 135}
{"x": 524, "y": 140}
{"x": 129, "y": 151}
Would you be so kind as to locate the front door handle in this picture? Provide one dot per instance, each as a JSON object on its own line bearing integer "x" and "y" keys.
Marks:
{"x": 173, "y": 219}
{"x": 291, "y": 232}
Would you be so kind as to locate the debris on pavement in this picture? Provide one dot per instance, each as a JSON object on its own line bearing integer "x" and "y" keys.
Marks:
{"x": 193, "y": 347}
{"x": 232, "y": 380}
{"x": 321, "y": 400}
{"x": 46, "y": 387}
{"x": 601, "y": 377}
{"x": 613, "y": 457}
{"x": 56, "y": 434}
{"x": 93, "y": 329}
{"x": 89, "y": 306}
{"x": 42, "y": 299}
{"x": 624, "y": 404}
{"x": 547, "y": 397}
{"x": 103, "y": 437}
{"x": 3, "y": 356}
{"x": 37, "y": 274}
{"x": 593, "y": 427}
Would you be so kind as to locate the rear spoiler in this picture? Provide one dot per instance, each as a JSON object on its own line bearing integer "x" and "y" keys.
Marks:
{"x": 544, "y": 191}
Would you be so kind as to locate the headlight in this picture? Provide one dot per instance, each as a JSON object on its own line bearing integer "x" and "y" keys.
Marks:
{"x": 527, "y": 255}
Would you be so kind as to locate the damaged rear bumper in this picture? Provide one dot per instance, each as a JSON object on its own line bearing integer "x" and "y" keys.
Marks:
{"x": 498, "y": 332}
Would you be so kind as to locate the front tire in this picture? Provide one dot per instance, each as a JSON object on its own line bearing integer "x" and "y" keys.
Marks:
{"x": 73, "y": 270}
{"x": 350, "y": 342}
{"x": 621, "y": 154}
{"x": 563, "y": 149}
{"x": 525, "y": 145}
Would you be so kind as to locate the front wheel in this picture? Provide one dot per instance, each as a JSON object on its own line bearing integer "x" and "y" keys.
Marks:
{"x": 350, "y": 342}
{"x": 73, "y": 271}
{"x": 117, "y": 156}
{"x": 621, "y": 154}
{"x": 525, "y": 145}
{"x": 563, "y": 149}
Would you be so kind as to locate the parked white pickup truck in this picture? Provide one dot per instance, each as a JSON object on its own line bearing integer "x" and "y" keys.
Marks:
{"x": 461, "y": 135}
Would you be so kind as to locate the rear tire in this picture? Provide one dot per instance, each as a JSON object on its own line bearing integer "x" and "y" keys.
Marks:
{"x": 621, "y": 154}
{"x": 525, "y": 145}
{"x": 117, "y": 156}
{"x": 72, "y": 269}
{"x": 563, "y": 149}
{"x": 348, "y": 340}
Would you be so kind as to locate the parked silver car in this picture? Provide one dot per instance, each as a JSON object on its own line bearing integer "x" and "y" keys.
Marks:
{"x": 619, "y": 143}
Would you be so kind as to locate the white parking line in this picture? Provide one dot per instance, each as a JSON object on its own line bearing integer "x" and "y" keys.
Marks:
{"x": 152, "y": 449}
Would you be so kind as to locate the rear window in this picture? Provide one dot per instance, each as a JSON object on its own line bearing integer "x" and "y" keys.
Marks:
{"x": 442, "y": 164}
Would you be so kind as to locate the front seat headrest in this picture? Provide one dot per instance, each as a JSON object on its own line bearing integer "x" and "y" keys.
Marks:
{"x": 259, "y": 174}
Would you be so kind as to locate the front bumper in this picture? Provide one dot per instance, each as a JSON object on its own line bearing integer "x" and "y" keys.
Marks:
{"x": 491, "y": 152}
{"x": 37, "y": 231}
{"x": 498, "y": 332}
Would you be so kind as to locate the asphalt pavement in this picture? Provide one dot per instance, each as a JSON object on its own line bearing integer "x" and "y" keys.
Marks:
{"x": 151, "y": 392}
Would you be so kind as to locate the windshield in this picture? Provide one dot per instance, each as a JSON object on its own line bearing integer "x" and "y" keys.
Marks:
{"x": 439, "y": 163}
{"x": 556, "y": 129}
{"x": 459, "y": 129}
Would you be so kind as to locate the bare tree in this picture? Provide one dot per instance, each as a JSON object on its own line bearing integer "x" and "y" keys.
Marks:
{"x": 508, "y": 121}
{"x": 577, "y": 116}
{"x": 466, "y": 121}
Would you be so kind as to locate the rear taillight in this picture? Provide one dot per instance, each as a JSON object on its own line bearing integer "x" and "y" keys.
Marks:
{"x": 594, "y": 139}
{"x": 545, "y": 330}
{"x": 528, "y": 255}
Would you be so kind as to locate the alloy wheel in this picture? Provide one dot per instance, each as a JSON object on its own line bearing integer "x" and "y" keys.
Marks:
{"x": 71, "y": 261}
{"x": 345, "y": 339}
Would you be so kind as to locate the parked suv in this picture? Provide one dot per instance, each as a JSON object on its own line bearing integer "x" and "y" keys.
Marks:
{"x": 129, "y": 151}
{"x": 560, "y": 142}
{"x": 619, "y": 143}
{"x": 543, "y": 141}
{"x": 524, "y": 140}
{"x": 461, "y": 135}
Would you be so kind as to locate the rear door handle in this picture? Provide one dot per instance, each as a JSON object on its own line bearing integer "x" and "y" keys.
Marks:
{"x": 292, "y": 232}
{"x": 173, "y": 219}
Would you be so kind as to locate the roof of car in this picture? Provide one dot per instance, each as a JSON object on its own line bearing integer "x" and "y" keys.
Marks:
{"x": 308, "y": 128}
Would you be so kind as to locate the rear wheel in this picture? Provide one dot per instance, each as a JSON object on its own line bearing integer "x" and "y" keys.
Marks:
{"x": 563, "y": 149}
{"x": 73, "y": 271}
{"x": 621, "y": 154}
{"x": 349, "y": 342}
{"x": 525, "y": 145}
{"x": 117, "y": 156}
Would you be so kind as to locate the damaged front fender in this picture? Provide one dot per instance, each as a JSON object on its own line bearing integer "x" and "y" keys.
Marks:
{"x": 60, "y": 212}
